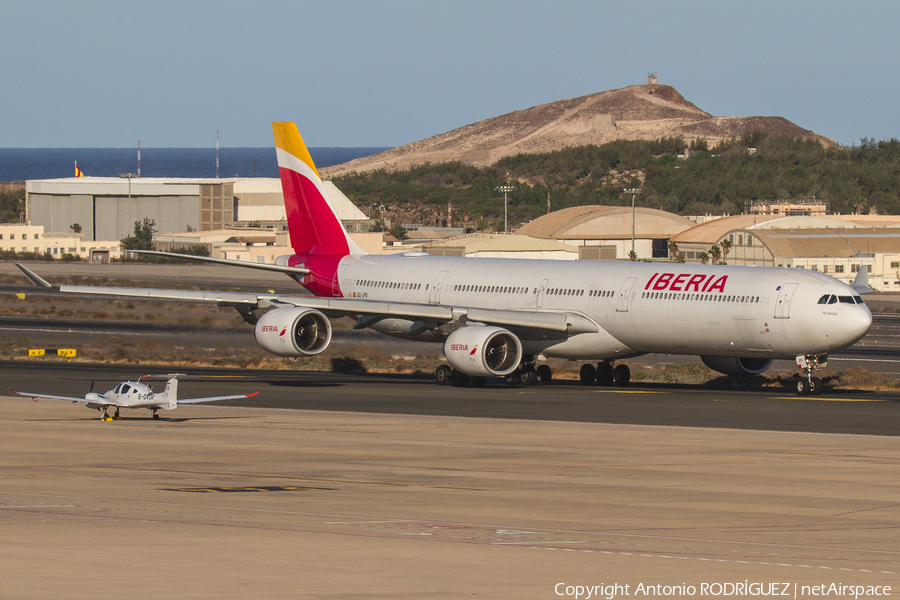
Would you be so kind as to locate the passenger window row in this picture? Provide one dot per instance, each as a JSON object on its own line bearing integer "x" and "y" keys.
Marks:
{"x": 698, "y": 297}
{"x": 502, "y": 289}
{"x": 602, "y": 293}
{"x": 388, "y": 284}
{"x": 832, "y": 299}
{"x": 564, "y": 292}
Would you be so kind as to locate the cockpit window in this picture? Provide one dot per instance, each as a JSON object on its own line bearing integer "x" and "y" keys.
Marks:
{"x": 847, "y": 300}
{"x": 125, "y": 389}
{"x": 832, "y": 299}
{"x": 823, "y": 299}
{"x": 859, "y": 300}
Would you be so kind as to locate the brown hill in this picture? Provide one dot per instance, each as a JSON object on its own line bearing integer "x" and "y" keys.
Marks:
{"x": 637, "y": 112}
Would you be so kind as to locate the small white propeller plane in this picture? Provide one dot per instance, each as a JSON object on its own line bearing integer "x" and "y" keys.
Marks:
{"x": 134, "y": 394}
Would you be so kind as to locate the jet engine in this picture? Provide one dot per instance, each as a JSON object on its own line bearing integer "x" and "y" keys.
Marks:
{"x": 293, "y": 332}
{"x": 483, "y": 351}
{"x": 736, "y": 365}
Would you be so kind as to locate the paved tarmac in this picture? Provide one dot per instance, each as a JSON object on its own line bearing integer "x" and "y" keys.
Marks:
{"x": 856, "y": 412}
{"x": 223, "y": 502}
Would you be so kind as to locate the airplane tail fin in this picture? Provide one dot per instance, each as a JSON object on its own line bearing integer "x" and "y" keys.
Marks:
{"x": 313, "y": 222}
{"x": 170, "y": 394}
{"x": 861, "y": 283}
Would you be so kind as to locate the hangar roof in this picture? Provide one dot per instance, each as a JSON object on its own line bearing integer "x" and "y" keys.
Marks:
{"x": 831, "y": 243}
{"x": 605, "y": 223}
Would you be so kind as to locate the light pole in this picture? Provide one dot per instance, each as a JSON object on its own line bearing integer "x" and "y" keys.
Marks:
{"x": 634, "y": 192}
{"x": 505, "y": 189}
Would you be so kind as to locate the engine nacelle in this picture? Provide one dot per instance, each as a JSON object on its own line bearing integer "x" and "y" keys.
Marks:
{"x": 483, "y": 351}
{"x": 735, "y": 365}
{"x": 293, "y": 332}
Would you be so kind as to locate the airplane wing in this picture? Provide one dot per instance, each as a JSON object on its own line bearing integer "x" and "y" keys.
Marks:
{"x": 371, "y": 311}
{"x": 99, "y": 400}
{"x": 214, "y": 398}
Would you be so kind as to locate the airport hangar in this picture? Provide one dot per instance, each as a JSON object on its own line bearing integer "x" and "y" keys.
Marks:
{"x": 106, "y": 209}
{"x": 834, "y": 244}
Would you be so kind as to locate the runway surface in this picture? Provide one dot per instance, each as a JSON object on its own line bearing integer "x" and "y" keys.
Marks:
{"x": 226, "y": 502}
{"x": 870, "y": 413}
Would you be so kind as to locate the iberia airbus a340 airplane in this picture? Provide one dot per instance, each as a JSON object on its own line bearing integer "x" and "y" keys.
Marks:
{"x": 497, "y": 317}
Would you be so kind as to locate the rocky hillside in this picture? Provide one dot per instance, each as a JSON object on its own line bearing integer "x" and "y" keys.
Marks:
{"x": 638, "y": 112}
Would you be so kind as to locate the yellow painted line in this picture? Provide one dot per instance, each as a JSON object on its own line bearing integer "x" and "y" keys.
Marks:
{"x": 626, "y": 392}
{"x": 826, "y": 399}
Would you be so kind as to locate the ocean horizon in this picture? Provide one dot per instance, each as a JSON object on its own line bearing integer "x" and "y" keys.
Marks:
{"x": 22, "y": 164}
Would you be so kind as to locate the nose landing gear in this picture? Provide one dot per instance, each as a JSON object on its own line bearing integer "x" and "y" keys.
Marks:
{"x": 805, "y": 383}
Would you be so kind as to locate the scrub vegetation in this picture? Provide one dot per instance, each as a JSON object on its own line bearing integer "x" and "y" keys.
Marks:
{"x": 709, "y": 181}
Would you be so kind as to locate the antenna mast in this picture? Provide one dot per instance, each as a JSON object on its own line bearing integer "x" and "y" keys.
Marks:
{"x": 217, "y": 153}
{"x": 139, "y": 158}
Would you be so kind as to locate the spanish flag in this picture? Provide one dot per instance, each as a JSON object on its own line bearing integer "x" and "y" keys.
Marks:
{"x": 78, "y": 172}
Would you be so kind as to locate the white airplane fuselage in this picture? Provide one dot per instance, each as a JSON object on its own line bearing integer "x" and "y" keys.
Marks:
{"x": 640, "y": 308}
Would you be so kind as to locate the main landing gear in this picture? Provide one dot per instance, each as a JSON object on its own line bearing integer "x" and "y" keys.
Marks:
{"x": 805, "y": 383}
{"x": 104, "y": 414}
{"x": 605, "y": 374}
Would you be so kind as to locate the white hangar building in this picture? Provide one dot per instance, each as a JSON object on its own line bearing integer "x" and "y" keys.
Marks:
{"x": 107, "y": 207}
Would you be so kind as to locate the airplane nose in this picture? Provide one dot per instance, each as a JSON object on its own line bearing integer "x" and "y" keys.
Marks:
{"x": 857, "y": 323}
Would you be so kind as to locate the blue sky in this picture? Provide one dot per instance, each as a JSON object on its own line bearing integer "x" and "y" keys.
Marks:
{"x": 366, "y": 73}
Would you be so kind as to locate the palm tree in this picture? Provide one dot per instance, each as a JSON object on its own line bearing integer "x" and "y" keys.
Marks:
{"x": 726, "y": 248}
{"x": 715, "y": 253}
{"x": 632, "y": 255}
{"x": 704, "y": 258}
{"x": 673, "y": 251}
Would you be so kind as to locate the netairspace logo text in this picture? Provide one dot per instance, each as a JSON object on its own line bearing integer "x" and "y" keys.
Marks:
{"x": 739, "y": 588}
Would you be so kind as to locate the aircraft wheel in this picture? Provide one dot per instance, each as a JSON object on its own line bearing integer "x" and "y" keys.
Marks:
{"x": 544, "y": 375}
{"x": 605, "y": 374}
{"x": 459, "y": 379}
{"x": 816, "y": 388}
{"x": 514, "y": 378}
{"x": 588, "y": 374}
{"x": 622, "y": 375}
{"x": 443, "y": 375}
{"x": 479, "y": 381}
{"x": 802, "y": 386}
{"x": 529, "y": 376}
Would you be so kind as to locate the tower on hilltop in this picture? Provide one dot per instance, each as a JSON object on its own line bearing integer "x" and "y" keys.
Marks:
{"x": 651, "y": 78}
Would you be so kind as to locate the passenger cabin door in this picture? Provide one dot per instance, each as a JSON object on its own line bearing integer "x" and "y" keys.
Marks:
{"x": 436, "y": 287}
{"x": 783, "y": 303}
{"x": 540, "y": 293}
{"x": 625, "y": 295}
